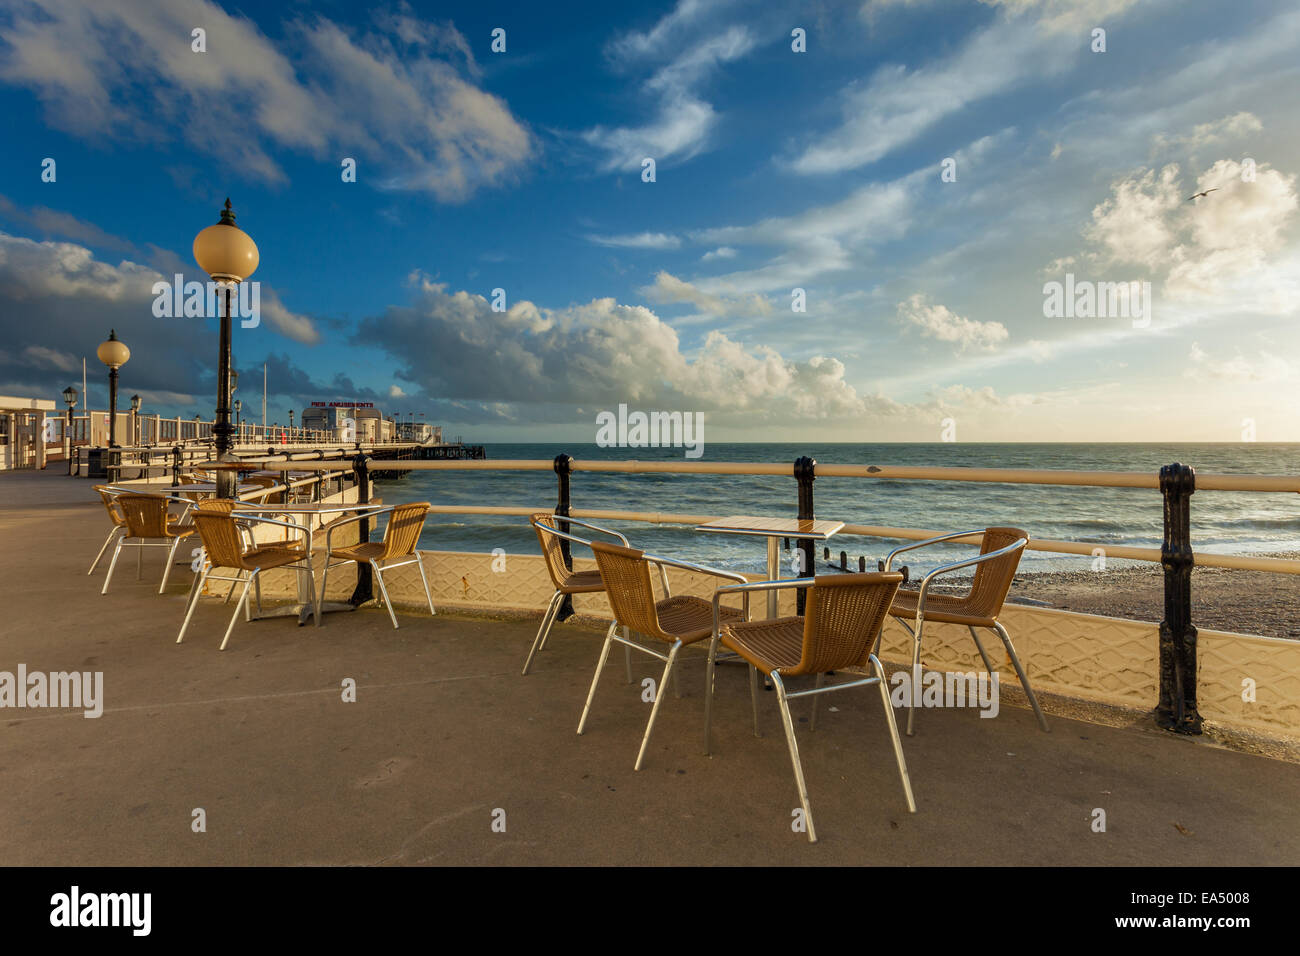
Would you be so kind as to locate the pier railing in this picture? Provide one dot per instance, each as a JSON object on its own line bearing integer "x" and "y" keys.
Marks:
{"x": 1176, "y": 709}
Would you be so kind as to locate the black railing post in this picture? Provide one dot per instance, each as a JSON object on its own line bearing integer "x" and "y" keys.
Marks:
{"x": 563, "y": 465}
{"x": 176, "y": 465}
{"x": 364, "y": 590}
{"x": 1176, "y": 709}
{"x": 805, "y": 469}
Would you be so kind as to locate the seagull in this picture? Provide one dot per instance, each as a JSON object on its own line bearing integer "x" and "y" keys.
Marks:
{"x": 1203, "y": 193}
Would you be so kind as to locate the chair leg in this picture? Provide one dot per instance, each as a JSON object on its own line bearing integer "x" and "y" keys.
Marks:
{"x": 708, "y": 695}
{"x": 419, "y": 563}
{"x": 107, "y": 541}
{"x": 311, "y": 592}
{"x": 600, "y": 665}
{"x": 325, "y": 577}
{"x": 257, "y": 589}
{"x": 893, "y": 733}
{"x": 794, "y": 754}
{"x": 627, "y": 655}
{"x": 916, "y": 677}
{"x": 659, "y": 698}
{"x": 241, "y": 603}
{"x": 812, "y": 721}
{"x": 379, "y": 576}
{"x": 199, "y": 580}
{"x": 112, "y": 564}
{"x": 1020, "y": 672}
{"x": 139, "y": 561}
{"x": 753, "y": 696}
{"x": 167, "y": 568}
{"x": 543, "y": 629}
{"x": 979, "y": 645}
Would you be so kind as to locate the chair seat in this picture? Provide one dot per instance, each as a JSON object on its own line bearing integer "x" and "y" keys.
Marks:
{"x": 364, "y": 552}
{"x": 943, "y": 608}
{"x": 690, "y": 619}
{"x": 767, "y": 645}
{"x": 271, "y": 556}
{"x": 583, "y": 582}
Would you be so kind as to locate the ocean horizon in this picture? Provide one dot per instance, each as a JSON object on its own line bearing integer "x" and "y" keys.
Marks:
{"x": 1222, "y": 522}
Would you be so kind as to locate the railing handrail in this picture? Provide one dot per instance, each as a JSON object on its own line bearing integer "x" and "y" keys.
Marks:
{"x": 1099, "y": 479}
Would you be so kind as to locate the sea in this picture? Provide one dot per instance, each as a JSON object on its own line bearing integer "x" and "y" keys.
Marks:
{"x": 1222, "y": 522}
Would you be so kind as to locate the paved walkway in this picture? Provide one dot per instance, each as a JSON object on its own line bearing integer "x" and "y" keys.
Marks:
{"x": 444, "y": 731}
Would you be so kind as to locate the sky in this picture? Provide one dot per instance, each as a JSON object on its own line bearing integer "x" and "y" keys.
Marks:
{"x": 851, "y": 228}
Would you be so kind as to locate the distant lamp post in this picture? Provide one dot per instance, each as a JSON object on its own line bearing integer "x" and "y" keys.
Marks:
{"x": 291, "y": 424}
{"x": 70, "y": 399}
{"x": 114, "y": 354}
{"x": 239, "y": 422}
{"x": 227, "y": 254}
{"x": 135, "y": 419}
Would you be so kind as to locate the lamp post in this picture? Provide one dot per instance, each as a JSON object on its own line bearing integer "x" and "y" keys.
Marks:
{"x": 227, "y": 254}
{"x": 114, "y": 354}
{"x": 70, "y": 399}
{"x": 239, "y": 422}
{"x": 291, "y": 425}
{"x": 135, "y": 419}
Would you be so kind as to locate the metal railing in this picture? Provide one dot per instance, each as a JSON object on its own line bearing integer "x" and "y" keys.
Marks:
{"x": 1176, "y": 709}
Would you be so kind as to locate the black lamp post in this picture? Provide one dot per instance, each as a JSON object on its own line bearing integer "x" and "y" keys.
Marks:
{"x": 70, "y": 399}
{"x": 227, "y": 254}
{"x": 291, "y": 424}
{"x": 239, "y": 424}
{"x": 114, "y": 354}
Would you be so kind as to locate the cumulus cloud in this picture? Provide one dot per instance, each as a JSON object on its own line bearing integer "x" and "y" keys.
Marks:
{"x": 641, "y": 240}
{"x": 125, "y": 70}
{"x": 532, "y": 360}
{"x": 936, "y": 321}
{"x": 668, "y": 289}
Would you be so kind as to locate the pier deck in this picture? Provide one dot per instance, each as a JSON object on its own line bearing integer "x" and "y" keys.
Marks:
{"x": 444, "y": 731}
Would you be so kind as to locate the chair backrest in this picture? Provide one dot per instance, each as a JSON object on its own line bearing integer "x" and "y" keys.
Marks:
{"x": 219, "y": 533}
{"x": 550, "y": 547}
{"x": 110, "y": 502}
{"x": 843, "y": 615}
{"x": 145, "y": 515}
{"x": 403, "y": 532}
{"x": 626, "y": 575}
{"x": 993, "y": 578}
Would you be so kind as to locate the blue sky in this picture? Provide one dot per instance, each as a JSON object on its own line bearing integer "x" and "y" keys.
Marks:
{"x": 775, "y": 170}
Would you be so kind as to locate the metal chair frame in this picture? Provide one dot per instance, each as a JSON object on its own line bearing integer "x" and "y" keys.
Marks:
{"x": 171, "y": 542}
{"x": 998, "y": 628}
{"x": 253, "y": 578}
{"x": 557, "y": 598}
{"x": 375, "y": 563}
{"x": 669, "y": 659}
{"x": 878, "y": 677}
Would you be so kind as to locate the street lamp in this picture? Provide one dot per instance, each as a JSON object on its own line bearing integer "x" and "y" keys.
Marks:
{"x": 227, "y": 254}
{"x": 135, "y": 419}
{"x": 114, "y": 354}
{"x": 239, "y": 424}
{"x": 291, "y": 424}
{"x": 70, "y": 398}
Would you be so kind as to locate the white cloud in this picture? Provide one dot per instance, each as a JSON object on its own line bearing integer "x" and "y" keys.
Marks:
{"x": 669, "y": 289}
{"x": 722, "y": 252}
{"x": 937, "y": 321}
{"x": 1264, "y": 367}
{"x": 641, "y": 240}
{"x": 117, "y": 69}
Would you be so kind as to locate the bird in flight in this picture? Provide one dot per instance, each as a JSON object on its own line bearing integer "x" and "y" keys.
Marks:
{"x": 1205, "y": 192}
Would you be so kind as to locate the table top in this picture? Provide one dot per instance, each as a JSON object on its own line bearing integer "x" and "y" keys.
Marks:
{"x": 773, "y": 527}
{"x": 206, "y": 488}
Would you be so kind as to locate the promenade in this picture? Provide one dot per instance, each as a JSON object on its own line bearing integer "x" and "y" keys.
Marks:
{"x": 444, "y": 731}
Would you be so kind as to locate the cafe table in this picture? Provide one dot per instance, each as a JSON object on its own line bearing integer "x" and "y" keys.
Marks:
{"x": 301, "y": 515}
{"x": 773, "y": 529}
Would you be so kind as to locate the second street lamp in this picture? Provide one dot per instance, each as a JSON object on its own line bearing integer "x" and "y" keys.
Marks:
{"x": 227, "y": 254}
{"x": 70, "y": 398}
{"x": 135, "y": 419}
{"x": 114, "y": 354}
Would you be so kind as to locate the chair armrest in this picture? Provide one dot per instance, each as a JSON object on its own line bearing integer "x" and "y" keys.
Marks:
{"x": 334, "y": 525}
{"x": 1018, "y": 544}
{"x": 593, "y": 527}
{"x": 928, "y": 541}
{"x": 701, "y": 568}
{"x": 292, "y": 526}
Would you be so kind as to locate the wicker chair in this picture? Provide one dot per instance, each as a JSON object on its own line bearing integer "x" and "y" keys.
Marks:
{"x": 398, "y": 549}
{"x": 566, "y": 581}
{"x": 147, "y": 524}
{"x": 224, "y": 549}
{"x": 109, "y": 497}
{"x": 844, "y": 615}
{"x": 1000, "y": 551}
{"x": 676, "y": 621}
